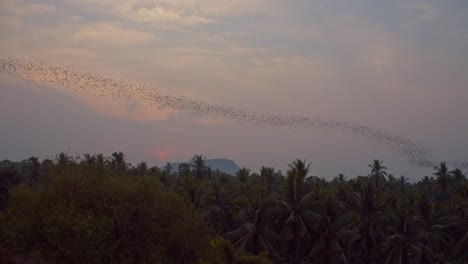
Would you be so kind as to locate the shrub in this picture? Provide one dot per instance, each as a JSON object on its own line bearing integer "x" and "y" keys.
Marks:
{"x": 78, "y": 218}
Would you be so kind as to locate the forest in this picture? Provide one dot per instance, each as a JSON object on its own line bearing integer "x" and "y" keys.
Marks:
{"x": 102, "y": 209}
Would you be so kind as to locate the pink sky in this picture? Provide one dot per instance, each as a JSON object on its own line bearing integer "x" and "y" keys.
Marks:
{"x": 399, "y": 66}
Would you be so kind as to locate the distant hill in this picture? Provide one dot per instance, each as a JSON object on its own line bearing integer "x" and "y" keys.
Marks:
{"x": 223, "y": 165}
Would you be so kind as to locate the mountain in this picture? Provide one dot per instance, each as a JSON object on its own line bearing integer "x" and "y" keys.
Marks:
{"x": 223, "y": 165}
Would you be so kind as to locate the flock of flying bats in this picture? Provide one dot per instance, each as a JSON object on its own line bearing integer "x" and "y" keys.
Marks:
{"x": 97, "y": 85}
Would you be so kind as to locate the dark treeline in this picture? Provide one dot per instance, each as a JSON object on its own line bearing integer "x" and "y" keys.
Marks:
{"x": 98, "y": 209}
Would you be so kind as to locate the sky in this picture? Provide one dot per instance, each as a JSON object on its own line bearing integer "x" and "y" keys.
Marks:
{"x": 400, "y": 66}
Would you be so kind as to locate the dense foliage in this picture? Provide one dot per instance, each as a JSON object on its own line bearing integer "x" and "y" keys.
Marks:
{"x": 97, "y": 209}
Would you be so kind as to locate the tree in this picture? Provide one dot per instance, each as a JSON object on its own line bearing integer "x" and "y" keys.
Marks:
{"x": 62, "y": 159}
{"x": 403, "y": 243}
{"x": 402, "y": 183}
{"x": 8, "y": 178}
{"x": 295, "y": 207}
{"x": 36, "y": 167}
{"x": 88, "y": 159}
{"x": 459, "y": 251}
{"x": 192, "y": 188}
{"x": 459, "y": 232}
{"x": 141, "y": 169}
{"x": 91, "y": 210}
{"x": 100, "y": 161}
{"x": 434, "y": 233}
{"x": 119, "y": 161}
{"x": 242, "y": 176}
{"x": 184, "y": 169}
{"x": 426, "y": 180}
{"x": 168, "y": 169}
{"x": 226, "y": 254}
{"x": 217, "y": 208}
{"x": 342, "y": 178}
{"x": 336, "y": 231}
{"x": 458, "y": 175}
{"x": 76, "y": 217}
{"x": 365, "y": 201}
{"x": 443, "y": 177}
{"x": 253, "y": 235}
{"x": 378, "y": 173}
{"x": 267, "y": 174}
{"x": 199, "y": 163}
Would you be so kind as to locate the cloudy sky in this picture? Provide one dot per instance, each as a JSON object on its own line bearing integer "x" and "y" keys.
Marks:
{"x": 399, "y": 66}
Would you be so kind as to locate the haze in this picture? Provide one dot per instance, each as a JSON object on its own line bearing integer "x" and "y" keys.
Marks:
{"x": 399, "y": 66}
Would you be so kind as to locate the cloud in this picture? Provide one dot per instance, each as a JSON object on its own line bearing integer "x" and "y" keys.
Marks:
{"x": 124, "y": 109}
{"x": 163, "y": 16}
{"x": 13, "y": 13}
{"x": 292, "y": 63}
{"x": 10, "y": 22}
{"x": 14, "y": 7}
{"x": 208, "y": 121}
{"x": 74, "y": 52}
{"x": 380, "y": 57}
{"x": 170, "y": 14}
{"x": 422, "y": 10}
{"x": 108, "y": 35}
{"x": 428, "y": 12}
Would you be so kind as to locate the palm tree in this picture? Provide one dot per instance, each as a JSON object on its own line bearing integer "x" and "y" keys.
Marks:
{"x": 216, "y": 209}
{"x": 460, "y": 183}
{"x": 199, "y": 163}
{"x": 209, "y": 173}
{"x": 101, "y": 161}
{"x": 443, "y": 177}
{"x": 459, "y": 227}
{"x": 426, "y": 180}
{"x": 459, "y": 251}
{"x": 267, "y": 174}
{"x": 242, "y": 176}
{"x": 168, "y": 169}
{"x": 62, "y": 160}
{"x": 458, "y": 175}
{"x": 193, "y": 189}
{"x": 228, "y": 254}
{"x": 184, "y": 169}
{"x": 341, "y": 178}
{"x": 435, "y": 233}
{"x": 403, "y": 242}
{"x": 296, "y": 179}
{"x": 118, "y": 161}
{"x": 88, "y": 159}
{"x": 336, "y": 231}
{"x": 36, "y": 168}
{"x": 253, "y": 235}
{"x": 402, "y": 183}
{"x": 141, "y": 169}
{"x": 300, "y": 168}
{"x": 378, "y": 173}
{"x": 296, "y": 208}
{"x": 365, "y": 201}
{"x": 8, "y": 177}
